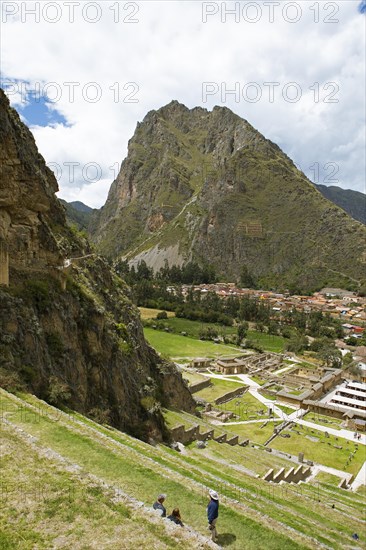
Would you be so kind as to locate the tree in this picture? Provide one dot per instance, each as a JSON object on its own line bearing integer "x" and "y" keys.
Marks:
{"x": 208, "y": 333}
{"x": 297, "y": 343}
{"x": 241, "y": 331}
{"x": 162, "y": 315}
{"x": 260, "y": 326}
{"x": 246, "y": 279}
{"x": 273, "y": 327}
{"x": 355, "y": 370}
{"x": 144, "y": 272}
{"x": 331, "y": 356}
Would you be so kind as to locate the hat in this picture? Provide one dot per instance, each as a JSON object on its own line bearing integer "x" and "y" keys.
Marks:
{"x": 161, "y": 496}
{"x": 213, "y": 494}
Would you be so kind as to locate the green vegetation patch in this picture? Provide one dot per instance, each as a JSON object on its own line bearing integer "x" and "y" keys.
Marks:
{"x": 176, "y": 346}
{"x": 219, "y": 388}
{"x": 348, "y": 458}
{"x": 257, "y": 432}
{"x": 144, "y": 480}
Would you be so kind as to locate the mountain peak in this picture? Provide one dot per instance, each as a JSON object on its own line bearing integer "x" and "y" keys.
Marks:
{"x": 206, "y": 186}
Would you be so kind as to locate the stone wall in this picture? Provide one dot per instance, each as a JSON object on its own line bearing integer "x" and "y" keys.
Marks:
{"x": 230, "y": 395}
{"x": 294, "y": 379}
{"x": 198, "y": 386}
{"x": 328, "y": 409}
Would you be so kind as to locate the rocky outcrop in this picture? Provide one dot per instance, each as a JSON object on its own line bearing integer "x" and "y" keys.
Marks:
{"x": 209, "y": 187}
{"x": 68, "y": 330}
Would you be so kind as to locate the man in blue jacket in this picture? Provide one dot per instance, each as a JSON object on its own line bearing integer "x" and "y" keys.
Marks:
{"x": 213, "y": 513}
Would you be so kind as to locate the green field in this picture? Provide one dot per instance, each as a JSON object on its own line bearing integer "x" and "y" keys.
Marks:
{"x": 323, "y": 420}
{"x": 254, "y": 430}
{"x": 269, "y": 342}
{"x": 126, "y": 464}
{"x": 177, "y": 346}
{"x": 219, "y": 387}
{"x": 193, "y": 328}
{"x": 322, "y": 450}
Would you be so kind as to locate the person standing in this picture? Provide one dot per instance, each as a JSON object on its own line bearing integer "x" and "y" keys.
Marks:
{"x": 213, "y": 513}
{"x": 158, "y": 505}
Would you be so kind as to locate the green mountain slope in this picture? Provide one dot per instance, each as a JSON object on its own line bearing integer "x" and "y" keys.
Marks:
{"x": 353, "y": 202}
{"x": 207, "y": 186}
{"x": 78, "y": 213}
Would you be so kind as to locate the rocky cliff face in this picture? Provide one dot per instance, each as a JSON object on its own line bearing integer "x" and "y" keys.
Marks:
{"x": 207, "y": 186}
{"x": 68, "y": 331}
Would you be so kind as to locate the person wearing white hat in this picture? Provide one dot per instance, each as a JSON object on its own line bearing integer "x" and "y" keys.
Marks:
{"x": 213, "y": 513}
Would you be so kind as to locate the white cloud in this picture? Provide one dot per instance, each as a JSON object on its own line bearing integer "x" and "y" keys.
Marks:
{"x": 169, "y": 53}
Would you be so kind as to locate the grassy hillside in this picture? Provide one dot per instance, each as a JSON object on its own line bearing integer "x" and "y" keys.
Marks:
{"x": 78, "y": 214}
{"x": 352, "y": 202}
{"x": 91, "y": 474}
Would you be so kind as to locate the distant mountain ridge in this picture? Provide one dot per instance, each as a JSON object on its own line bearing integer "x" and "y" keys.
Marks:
{"x": 78, "y": 213}
{"x": 80, "y": 206}
{"x": 353, "y": 202}
{"x": 205, "y": 185}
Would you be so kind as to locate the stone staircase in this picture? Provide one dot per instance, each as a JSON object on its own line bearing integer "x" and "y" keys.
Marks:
{"x": 301, "y": 473}
{"x": 185, "y": 436}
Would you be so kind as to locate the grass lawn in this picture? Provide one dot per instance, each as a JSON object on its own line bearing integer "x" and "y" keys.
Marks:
{"x": 253, "y": 431}
{"x": 193, "y": 328}
{"x": 150, "y": 313}
{"x": 323, "y": 420}
{"x": 174, "y": 418}
{"x": 329, "y": 479}
{"x": 259, "y": 381}
{"x": 269, "y": 396}
{"x": 321, "y": 451}
{"x": 46, "y": 507}
{"x": 286, "y": 410}
{"x": 257, "y": 460}
{"x": 269, "y": 342}
{"x": 177, "y": 346}
{"x": 219, "y": 388}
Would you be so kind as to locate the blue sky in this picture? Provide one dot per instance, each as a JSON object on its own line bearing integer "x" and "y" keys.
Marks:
{"x": 38, "y": 111}
{"x": 125, "y": 59}
{"x": 362, "y": 7}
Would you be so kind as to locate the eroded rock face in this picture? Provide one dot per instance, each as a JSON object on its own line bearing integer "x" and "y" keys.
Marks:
{"x": 70, "y": 334}
{"x": 209, "y": 184}
{"x": 27, "y": 201}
